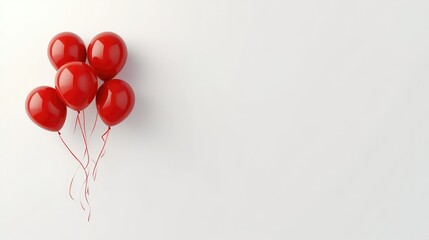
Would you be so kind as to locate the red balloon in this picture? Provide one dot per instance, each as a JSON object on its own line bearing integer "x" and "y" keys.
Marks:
{"x": 76, "y": 84}
{"x": 115, "y": 100}
{"x": 66, "y": 47}
{"x": 46, "y": 109}
{"x": 107, "y": 54}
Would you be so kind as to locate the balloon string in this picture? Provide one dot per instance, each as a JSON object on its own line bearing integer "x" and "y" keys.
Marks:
{"x": 71, "y": 152}
{"x": 86, "y": 176}
{"x": 80, "y": 163}
{"x": 86, "y": 198}
{"x": 74, "y": 175}
{"x": 82, "y": 130}
{"x": 75, "y": 123}
{"x": 84, "y": 122}
{"x": 80, "y": 195}
{"x": 86, "y": 135}
{"x": 104, "y": 137}
{"x": 71, "y": 184}
{"x": 75, "y": 172}
{"x": 70, "y": 189}
{"x": 95, "y": 124}
{"x": 86, "y": 191}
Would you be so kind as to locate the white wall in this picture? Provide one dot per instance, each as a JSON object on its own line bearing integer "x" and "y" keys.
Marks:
{"x": 253, "y": 120}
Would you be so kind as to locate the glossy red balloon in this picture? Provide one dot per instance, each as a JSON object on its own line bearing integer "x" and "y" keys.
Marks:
{"x": 76, "y": 84}
{"x": 115, "y": 101}
{"x": 107, "y": 54}
{"x": 66, "y": 47}
{"x": 46, "y": 109}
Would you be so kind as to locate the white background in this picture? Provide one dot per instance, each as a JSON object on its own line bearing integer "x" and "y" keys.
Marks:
{"x": 253, "y": 120}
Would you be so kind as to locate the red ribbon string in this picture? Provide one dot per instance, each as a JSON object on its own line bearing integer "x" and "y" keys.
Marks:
{"x": 87, "y": 168}
{"x": 85, "y": 137}
{"x": 75, "y": 123}
{"x": 71, "y": 152}
{"x": 71, "y": 184}
{"x": 104, "y": 137}
{"x": 86, "y": 153}
{"x": 84, "y": 168}
{"x": 95, "y": 124}
{"x": 84, "y": 122}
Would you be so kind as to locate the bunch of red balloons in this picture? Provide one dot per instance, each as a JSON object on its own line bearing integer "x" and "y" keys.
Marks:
{"x": 76, "y": 86}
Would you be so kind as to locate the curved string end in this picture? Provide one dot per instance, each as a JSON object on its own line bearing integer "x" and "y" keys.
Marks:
{"x": 95, "y": 124}
{"x": 104, "y": 137}
{"x": 83, "y": 208}
{"x": 70, "y": 195}
{"x": 75, "y": 123}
